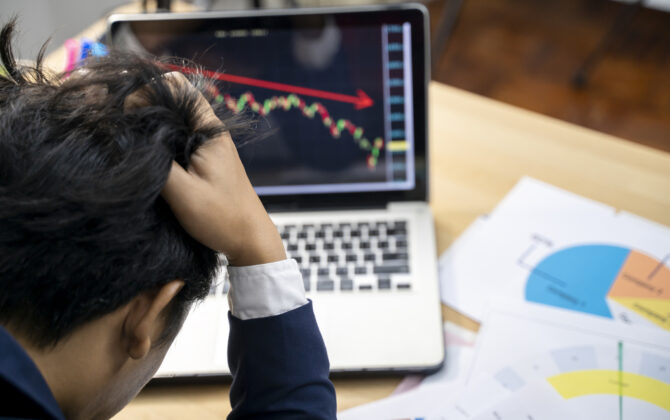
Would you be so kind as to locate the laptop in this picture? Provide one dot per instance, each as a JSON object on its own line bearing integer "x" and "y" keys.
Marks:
{"x": 342, "y": 172}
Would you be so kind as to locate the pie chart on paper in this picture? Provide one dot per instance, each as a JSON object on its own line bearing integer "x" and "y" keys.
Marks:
{"x": 604, "y": 280}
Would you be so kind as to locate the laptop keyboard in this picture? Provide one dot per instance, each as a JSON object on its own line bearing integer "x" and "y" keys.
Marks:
{"x": 360, "y": 256}
{"x": 364, "y": 256}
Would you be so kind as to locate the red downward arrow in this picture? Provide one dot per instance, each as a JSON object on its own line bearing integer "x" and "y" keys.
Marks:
{"x": 362, "y": 100}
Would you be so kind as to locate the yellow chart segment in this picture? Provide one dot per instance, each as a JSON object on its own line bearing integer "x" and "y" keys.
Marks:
{"x": 589, "y": 382}
{"x": 655, "y": 310}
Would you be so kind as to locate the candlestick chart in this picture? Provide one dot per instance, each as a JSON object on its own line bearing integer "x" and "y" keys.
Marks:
{"x": 335, "y": 127}
{"x": 293, "y": 101}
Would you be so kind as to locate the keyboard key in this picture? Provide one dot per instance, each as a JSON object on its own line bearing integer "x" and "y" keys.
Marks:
{"x": 307, "y": 283}
{"x": 342, "y": 271}
{"x": 333, "y": 258}
{"x": 338, "y": 234}
{"x": 346, "y": 284}
{"x": 355, "y": 233}
{"x": 384, "y": 283}
{"x": 306, "y": 272}
{"x": 403, "y": 286}
{"x": 400, "y": 237}
{"x": 326, "y": 226}
{"x": 344, "y": 225}
{"x": 365, "y": 287}
{"x": 302, "y": 235}
{"x": 401, "y": 243}
{"x": 361, "y": 270}
{"x": 314, "y": 259}
{"x": 325, "y": 285}
{"x": 284, "y": 235}
{"x": 320, "y": 234}
{"x": 323, "y": 271}
{"x": 329, "y": 246}
{"x": 297, "y": 258}
{"x": 396, "y": 231}
{"x": 310, "y": 247}
{"x": 351, "y": 258}
{"x": 292, "y": 247}
{"x": 395, "y": 256}
{"x": 346, "y": 245}
{"x": 390, "y": 269}
{"x": 364, "y": 245}
{"x": 383, "y": 244}
{"x": 362, "y": 224}
{"x": 369, "y": 257}
{"x": 373, "y": 232}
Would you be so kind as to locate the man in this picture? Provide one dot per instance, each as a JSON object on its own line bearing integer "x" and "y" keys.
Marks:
{"x": 119, "y": 186}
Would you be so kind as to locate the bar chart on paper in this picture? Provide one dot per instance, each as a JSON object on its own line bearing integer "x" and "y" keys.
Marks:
{"x": 541, "y": 360}
{"x": 612, "y": 379}
{"x": 589, "y": 381}
{"x": 605, "y": 280}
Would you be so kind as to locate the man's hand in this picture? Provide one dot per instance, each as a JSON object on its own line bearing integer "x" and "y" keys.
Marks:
{"x": 216, "y": 204}
{"x": 213, "y": 198}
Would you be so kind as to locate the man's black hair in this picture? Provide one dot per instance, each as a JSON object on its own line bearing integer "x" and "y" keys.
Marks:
{"x": 83, "y": 228}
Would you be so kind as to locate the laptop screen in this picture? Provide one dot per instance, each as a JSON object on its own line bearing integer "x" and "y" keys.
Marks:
{"x": 334, "y": 93}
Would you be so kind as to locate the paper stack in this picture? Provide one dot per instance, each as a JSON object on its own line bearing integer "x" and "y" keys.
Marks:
{"x": 574, "y": 300}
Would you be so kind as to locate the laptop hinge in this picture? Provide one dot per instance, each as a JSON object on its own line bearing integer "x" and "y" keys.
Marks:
{"x": 407, "y": 205}
{"x": 284, "y": 208}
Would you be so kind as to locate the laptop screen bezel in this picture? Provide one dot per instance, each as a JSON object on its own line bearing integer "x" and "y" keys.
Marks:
{"x": 415, "y": 14}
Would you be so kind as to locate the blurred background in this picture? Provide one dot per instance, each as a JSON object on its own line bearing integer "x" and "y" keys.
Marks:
{"x": 602, "y": 64}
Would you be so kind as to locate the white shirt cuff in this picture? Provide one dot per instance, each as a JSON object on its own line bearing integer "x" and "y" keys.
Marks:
{"x": 263, "y": 290}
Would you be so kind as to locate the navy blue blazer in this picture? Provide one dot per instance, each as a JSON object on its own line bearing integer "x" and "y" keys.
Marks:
{"x": 279, "y": 364}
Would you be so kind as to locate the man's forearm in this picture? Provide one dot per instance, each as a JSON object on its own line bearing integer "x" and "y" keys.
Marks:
{"x": 275, "y": 350}
{"x": 280, "y": 368}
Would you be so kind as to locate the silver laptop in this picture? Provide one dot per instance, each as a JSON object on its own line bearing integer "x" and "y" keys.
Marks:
{"x": 343, "y": 170}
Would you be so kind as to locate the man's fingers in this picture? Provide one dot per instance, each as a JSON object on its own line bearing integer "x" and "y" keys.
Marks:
{"x": 221, "y": 143}
{"x": 178, "y": 186}
{"x": 177, "y": 78}
{"x": 135, "y": 100}
{"x": 138, "y": 98}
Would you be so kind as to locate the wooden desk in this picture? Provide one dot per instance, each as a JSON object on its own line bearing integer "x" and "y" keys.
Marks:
{"x": 479, "y": 149}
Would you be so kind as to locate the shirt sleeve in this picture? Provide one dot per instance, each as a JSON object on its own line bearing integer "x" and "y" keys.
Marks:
{"x": 264, "y": 290}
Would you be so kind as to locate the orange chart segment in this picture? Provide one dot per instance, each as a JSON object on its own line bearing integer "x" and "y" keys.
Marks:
{"x": 642, "y": 276}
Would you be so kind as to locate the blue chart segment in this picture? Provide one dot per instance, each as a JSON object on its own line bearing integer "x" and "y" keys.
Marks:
{"x": 577, "y": 278}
